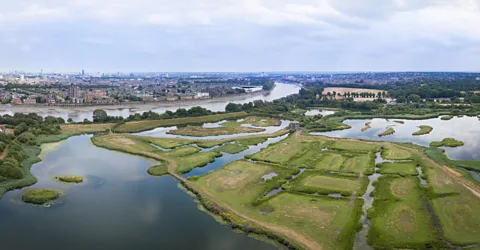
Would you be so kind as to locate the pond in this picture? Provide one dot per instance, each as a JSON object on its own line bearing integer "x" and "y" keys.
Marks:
{"x": 466, "y": 129}
{"x": 119, "y": 207}
{"x": 81, "y": 113}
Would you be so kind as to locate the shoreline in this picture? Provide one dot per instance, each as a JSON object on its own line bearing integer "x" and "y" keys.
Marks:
{"x": 131, "y": 106}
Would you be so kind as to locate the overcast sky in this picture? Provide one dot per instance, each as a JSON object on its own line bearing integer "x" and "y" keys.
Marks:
{"x": 240, "y": 35}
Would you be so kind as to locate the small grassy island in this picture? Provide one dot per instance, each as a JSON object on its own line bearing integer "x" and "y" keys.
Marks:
{"x": 40, "y": 196}
{"x": 447, "y": 117}
{"x": 399, "y": 122}
{"x": 201, "y": 131}
{"x": 367, "y": 127}
{"x": 158, "y": 170}
{"x": 69, "y": 178}
{"x": 424, "y": 129}
{"x": 447, "y": 142}
{"x": 389, "y": 131}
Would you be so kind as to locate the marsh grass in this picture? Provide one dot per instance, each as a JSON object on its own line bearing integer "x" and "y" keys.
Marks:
{"x": 40, "y": 196}
{"x": 389, "y": 131}
{"x": 447, "y": 142}
{"x": 69, "y": 178}
{"x": 158, "y": 170}
{"x": 424, "y": 129}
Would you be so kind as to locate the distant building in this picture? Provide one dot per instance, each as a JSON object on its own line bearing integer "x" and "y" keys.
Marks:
{"x": 22, "y": 78}
{"x": 203, "y": 95}
{"x": 83, "y": 72}
{"x": 172, "y": 98}
{"x": 30, "y": 101}
{"x": 73, "y": 92}
{"x": 3, "y": 129}
{"x": 294, "y": 126}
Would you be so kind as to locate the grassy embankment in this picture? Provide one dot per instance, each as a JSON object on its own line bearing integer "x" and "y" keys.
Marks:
{"x": 447, "y": 142}
{"x": 256, "y": 121}
{"x": 158, "y": 170}
{"x": 389, "y": 131}
{"x": 424, "y": 129}
{"x": 367, "y": 127}
{"x": 40, "y": 196}
{"x": 399, "y": 122}
{"x": 139, "y": 126}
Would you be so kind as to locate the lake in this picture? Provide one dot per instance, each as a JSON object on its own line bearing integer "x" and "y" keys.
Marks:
{"x": 119, "y": 207}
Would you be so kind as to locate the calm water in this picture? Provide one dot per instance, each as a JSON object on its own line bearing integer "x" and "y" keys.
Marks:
{"x": 466, "y": 129}
{"x": 119, "y": 207}
{"x": 280, "y": 90}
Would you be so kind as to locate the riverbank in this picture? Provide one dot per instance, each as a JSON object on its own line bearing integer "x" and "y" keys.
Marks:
{"x": 35, "y": 108}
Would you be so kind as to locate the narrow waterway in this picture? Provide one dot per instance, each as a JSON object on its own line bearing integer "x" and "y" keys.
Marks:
{"x": 118, "y": 207}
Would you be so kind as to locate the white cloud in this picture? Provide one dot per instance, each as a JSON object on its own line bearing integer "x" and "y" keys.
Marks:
{"x": 321, "y": 34}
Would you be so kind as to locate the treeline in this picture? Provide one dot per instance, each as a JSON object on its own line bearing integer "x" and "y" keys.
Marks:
{"x": 100, "y": 116}
{"x": 12, "y": 145}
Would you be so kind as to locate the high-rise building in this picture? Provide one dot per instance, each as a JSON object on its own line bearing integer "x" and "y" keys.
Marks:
{"x": 73, "y": 92}
{"x": 83, "y": 72}
{"x": 22, "y": 77}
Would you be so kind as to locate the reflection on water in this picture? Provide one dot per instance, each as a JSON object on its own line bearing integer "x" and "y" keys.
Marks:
{"x": 79, "y": 114}
{"x": 466, "y": 129}
{"x": 111, "y": 210}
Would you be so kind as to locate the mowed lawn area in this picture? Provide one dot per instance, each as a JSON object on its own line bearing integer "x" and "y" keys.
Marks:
{"x": 396, "y": 153}
{"x": 313, "y": 182}
{"x": 400, "y": 168}
{"x": 85, "y": 128}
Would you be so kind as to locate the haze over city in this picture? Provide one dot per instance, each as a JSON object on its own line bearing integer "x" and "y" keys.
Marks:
{"x": 247, "y": 35}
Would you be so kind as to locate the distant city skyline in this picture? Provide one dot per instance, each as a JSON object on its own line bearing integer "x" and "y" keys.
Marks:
{"x": 240, "y": 36}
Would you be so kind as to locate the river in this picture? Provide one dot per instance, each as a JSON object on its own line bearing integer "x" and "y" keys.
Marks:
{"x": 119, "y": 207}
{"x": 80, "y": 113}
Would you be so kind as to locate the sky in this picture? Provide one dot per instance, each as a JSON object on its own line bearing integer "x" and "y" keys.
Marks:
{"x": 239, "y": 35}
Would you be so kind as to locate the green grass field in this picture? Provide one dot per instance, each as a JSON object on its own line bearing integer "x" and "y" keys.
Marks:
{"x": 315, "y": 182}
{"x": 395, "y": 153}
{"x": 330, "y": 161}
{"x": 398, "y": 217}
{"x": 354, "y": 146}
{"x": 447, "y": 117}
{"x": 459, "y": 217}
{"x": 255, "y": 121}
{"x": 40, "y": 196}
{"x": 363, "y": 163}
{"x": 158, "y": 170}
{"x": 400, "y": 168}
{"x": 424, "y": 129}
{"x": 234, "y": 148}
{"x": 280, "y": 152}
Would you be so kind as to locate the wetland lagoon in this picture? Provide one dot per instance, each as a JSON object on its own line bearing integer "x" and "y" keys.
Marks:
{"x": 303, "y": 190}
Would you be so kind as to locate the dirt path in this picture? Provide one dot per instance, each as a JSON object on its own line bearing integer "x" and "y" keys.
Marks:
{"x": 5, "y": 152}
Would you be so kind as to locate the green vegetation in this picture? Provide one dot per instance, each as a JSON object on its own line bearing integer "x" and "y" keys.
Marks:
{"x": 437, "y": 154}
{"x": 85, "y": 128}
{"x": 40, "y": 196}
{"x": 396, "y": 153}
{"x": 317, "y": 183}
{"x": 315, "y": 221}
{"x": 198, "y": 131}
{"x": 400, "y": 168}
{"x": 389, "y": 131}
{"x": 447, "y": 117}
{"x": 158, "y": 170}
{"x": 69, "y": 178}
{"x": 398, "y": 217}
{"x": 144, "y": 125}
{"x": 424, "y": 129}
{"x": 459, "y": 218}
{"x": 446, "y": 142}
{"x": 230, "y": 148}
{"x": 399, "y": 122}
{"x": 367, "y": 127}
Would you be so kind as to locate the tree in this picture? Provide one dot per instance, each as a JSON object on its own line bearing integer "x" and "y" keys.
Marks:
{"x": 401, "y": 99}
{"x": 70, "y": 120}
{"x": 414, "y": 98}
{"x": 99, "y": 115}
